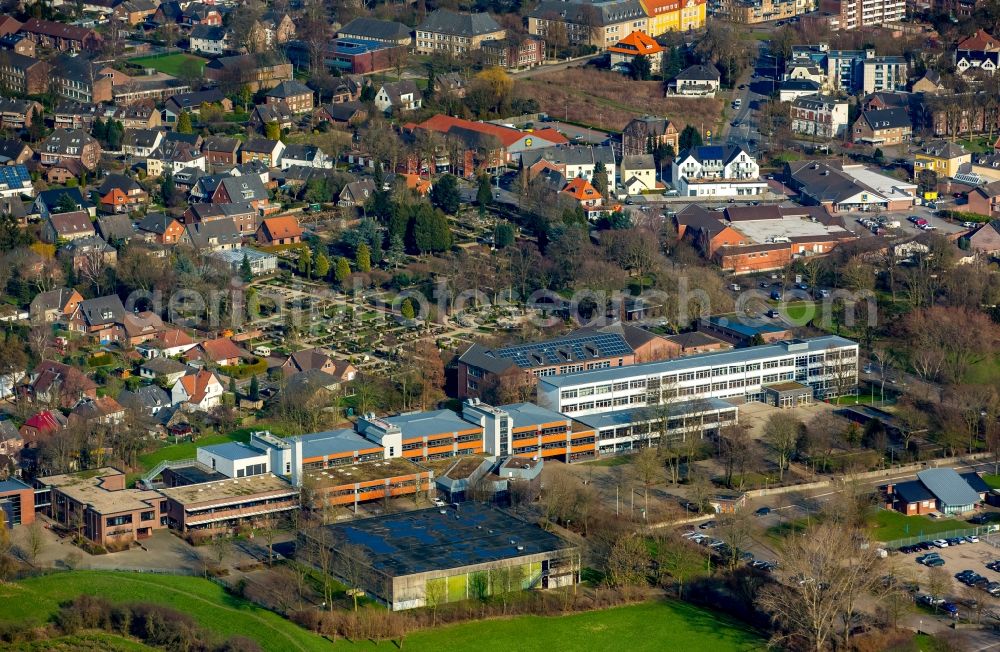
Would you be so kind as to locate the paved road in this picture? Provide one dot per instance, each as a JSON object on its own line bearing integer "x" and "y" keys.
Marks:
{"x": 552, "y": 67}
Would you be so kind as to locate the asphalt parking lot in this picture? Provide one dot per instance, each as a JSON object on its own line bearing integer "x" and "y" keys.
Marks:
{"x": 971, "y": 556}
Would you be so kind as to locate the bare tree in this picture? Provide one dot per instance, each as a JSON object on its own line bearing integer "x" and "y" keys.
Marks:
{"x": 781, "y": 432}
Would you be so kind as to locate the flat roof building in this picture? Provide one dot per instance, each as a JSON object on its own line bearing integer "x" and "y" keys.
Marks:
{"x": 96, "y": 504}
{"x": 452, "y": 553}
{"x": 828, "y": 364}
{"x": 229, "y": 504}
{"x": 17, "y": 502}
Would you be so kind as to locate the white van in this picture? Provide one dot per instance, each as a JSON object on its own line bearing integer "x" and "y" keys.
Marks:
{"x": 737, "y": 103}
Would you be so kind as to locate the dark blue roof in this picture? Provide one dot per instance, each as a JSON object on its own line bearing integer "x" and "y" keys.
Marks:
{"x": 12, "y": 484}
{"x": 913, "y": 491}
{"x": 744, "y": 325}
{"x": 976, "y": 482}
{"x": 711, "y": 152}
{"x": 14, "y": 176}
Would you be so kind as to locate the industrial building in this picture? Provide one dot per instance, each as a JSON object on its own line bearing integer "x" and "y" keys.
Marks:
{"x": 438, "y": 555}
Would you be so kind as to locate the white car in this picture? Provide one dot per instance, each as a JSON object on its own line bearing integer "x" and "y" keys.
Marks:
{"x": 940, "y": 543}
{"x": 972, "y": 538}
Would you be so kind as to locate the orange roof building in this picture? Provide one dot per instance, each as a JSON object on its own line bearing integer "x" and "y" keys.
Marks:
{"x": 635, "y": 44}
{"x": 981, "y": 41}
{"x": 502, "y": 141}
{"x": 582, "y": 191}
{"x": 417, "y": 184}
{"x": 279, "y": 231}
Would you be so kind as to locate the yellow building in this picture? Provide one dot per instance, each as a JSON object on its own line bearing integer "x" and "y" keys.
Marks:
{"x": 942, "y": 157}
{"x": 673, "y": 15}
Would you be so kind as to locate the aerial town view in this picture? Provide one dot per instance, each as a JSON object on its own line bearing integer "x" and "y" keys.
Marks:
{"x": 528, "y": 325}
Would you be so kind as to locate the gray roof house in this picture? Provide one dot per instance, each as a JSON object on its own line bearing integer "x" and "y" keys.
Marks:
{"x": 216, "y": 235}
{"x": 305, "y": 155}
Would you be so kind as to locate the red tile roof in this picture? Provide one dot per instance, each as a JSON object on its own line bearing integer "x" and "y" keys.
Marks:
{"x": 980, "y": 41}
{"x": 581, "y": 190}
{"x": 282, "y": 227}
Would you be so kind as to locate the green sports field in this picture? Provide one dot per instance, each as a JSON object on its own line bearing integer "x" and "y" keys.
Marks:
{"x": 168, "y": 63}
{"x": 648, "y": 626}
{"x": 656, "y": 627}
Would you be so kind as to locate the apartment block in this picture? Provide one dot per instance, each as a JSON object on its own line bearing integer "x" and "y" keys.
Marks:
{"x": 827, "y": 365}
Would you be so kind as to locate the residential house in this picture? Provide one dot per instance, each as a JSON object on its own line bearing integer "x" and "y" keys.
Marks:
{"x": 514, "y": 53}
{"x": 121, "y": 194}
{"x": 716, "y": 171}
{"x": 103, "y": 410}
{"x": 192, "y": 102}
{"x": 15, "y": 180}
{"x": 792, "y": 89}
{"x": 884, "y": 127}
{"x": 700, "y": 80}
{"x": 75, "y": 145}
{"x": 74, "y": 115}
{"x": 220, "y": 150}
{"x": 62, "y": 227}
{"x": 256, "y": 71}
{"x": 444, "y": 30}
{"x": 14, "y": 152}
{"x": 356, "y": 193}
{"x": 16, "y": 114}
{"x": 296, "y": 95}
{"x": 309, "y": 156}
{"x": 942, "y": 157}
{"x": 160, "y": 228}
{"x": 929, "y": 84}
{"x": 140, "y": 327}
{"x": 149, "y": 400}
{"x": 349, "y": 113}
{"x": 581, "y": 190}
{"x": 172, "y": 342}
{"x": 276, "y": 113}
{"x": 856, "y": 14}
{"x": 318, "y": 360}
{"x": 88, "y": 257}
{"x": 644, "y": 135}
{"x": 574, "y": 161}
{"x": 986, "y": 239}
{"x": 398, "y": 96}
{"x": 115, "y": 228}
{"x": 980, "y": 51}
{"x": 54, "y": 305}
{"x": 199, "y": 391}
{"x": 819, "y": 115}
{"x": 210, "y": 39}
{"x": 99, "y": 318}
{"x": 243, "y": 215}
{"x": 638, "y": 173}
{"x": 247, "y": 189}
{"x": 61, "y": 36}
{"x": 200, "y": 13}
{"x": 217, "y": 235}
{"x": 263, "y": 150}
{"x": 636, "y": 44}
{"x": 222, "y": 352}
{"x": 162, "y": 367}
{"x": 133, "y": 12}
{"x": 61, "y": 172}
{"x": 59, "y": 384}
{"x": 751, "y": 12}
{"x": 141, "y": 142}
{"x": 174, "y": 155}
{"x": 18, "y": 44}
{"x": 41, "y": 425}
{"x": 51, "y": 201}
{"x": 279, "y": 231}
{"x": 11, "y": 441}
{"x": 365, "y": 28}
{"x": 599, "y": 24}
{"x": 275, "y": 28}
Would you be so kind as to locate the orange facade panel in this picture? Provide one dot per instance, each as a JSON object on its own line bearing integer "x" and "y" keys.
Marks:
{"x": 441, "y": 449}
{"x": 559, "y": 436}
{"x": 552, "y": 452}
{"x": 583, "y": 447}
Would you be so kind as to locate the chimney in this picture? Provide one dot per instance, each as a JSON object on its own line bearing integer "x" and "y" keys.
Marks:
{"x": 297, "y": 463}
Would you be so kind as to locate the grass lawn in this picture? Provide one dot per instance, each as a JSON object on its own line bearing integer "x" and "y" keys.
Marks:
{"x": 799, "y": 311}
{"x": 38, "y": 598}
{"x": 986, "y": 372}
{"x": 992, "y": 480}
{"x": 873, "y": 396}
{"x": 977, "y": 145}
{"x": 650, "y": 626}
{"x": 617, "y": 460}
{"x": 83, "y": 642}
{"x": 169, "y": 63}
{"x": 188, "y": 450}
{"x": 890, "y": 525}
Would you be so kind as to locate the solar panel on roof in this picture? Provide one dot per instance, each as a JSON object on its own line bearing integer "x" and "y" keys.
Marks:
{"x": 585, "y": 347}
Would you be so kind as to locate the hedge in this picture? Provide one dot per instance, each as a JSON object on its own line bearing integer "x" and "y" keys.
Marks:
{"x": 246, "y": 370}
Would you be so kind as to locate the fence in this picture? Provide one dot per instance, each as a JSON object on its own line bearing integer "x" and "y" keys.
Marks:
{"x": 949, "y": 534}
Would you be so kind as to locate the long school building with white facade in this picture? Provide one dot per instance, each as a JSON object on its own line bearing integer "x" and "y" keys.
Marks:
{"x": 828, "y": 365}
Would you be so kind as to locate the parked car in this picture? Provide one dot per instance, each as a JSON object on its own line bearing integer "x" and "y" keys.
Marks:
{"x": 972, "y": 538}
{"x": 707, "y": 525}
{"x": 940, "y": 543}
{"x": 763, "y": 511}
{"x": 951, "y": 608}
